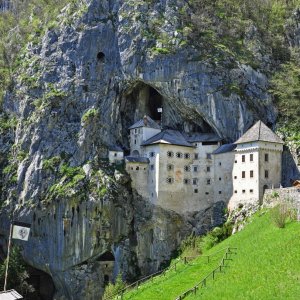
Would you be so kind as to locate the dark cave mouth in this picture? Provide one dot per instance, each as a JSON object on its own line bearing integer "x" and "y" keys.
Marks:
{"x": 143, "y": 99}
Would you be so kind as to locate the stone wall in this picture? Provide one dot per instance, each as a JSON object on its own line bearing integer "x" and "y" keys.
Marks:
{"x": 272, "y": 195}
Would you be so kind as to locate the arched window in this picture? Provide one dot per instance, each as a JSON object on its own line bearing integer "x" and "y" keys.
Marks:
{"x": 187, "y": 168}
{"x": 170, "y": 180}
{"x": 170, "y": 154}
{"x": 179, "y": 155}
{"x": 170, "y": 167}
{"x": 135, "y": 153}
{"x": 187, "y": 155}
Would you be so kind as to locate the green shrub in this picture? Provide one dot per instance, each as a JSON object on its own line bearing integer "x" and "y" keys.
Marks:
{"x": 17, "y": 274}
{"x": 281, "y": 213}
{"x": 113, "y": 289}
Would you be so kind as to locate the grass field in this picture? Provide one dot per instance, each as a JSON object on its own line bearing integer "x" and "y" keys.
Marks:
{"x": 267, "y": 266}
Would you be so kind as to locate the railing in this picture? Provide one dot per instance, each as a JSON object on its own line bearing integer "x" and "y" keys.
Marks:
{"x": 185, "y": 259}
{"x": 212, "y": 274}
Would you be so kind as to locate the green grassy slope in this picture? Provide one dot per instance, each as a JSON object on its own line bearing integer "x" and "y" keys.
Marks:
{"x": 267, "y": 266}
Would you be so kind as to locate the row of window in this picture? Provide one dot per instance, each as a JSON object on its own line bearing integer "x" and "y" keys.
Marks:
{"x": 252, "y": 174}
{"x": 179, "y": 155}
{"x": 194, "y": 181}
{"x": 244, "y": 191}
{"x": 186, "y": 168}
{"x": 251, "y": 157}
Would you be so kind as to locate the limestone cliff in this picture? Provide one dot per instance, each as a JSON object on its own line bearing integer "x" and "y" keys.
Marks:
{"x": 75, "y": 94}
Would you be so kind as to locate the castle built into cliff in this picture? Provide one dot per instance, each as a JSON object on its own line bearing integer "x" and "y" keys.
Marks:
{"x": 187, "y": 172}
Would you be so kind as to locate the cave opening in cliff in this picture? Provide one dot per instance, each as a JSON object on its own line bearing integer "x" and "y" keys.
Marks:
{"x": 42, "y": 283}
{"x": 138, "y": 101}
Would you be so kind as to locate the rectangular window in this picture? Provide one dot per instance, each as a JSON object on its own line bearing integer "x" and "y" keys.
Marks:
{"x": 196, "y": 155}
{"x": 220, "y": 178}
{"x": 243, "y": 191}
{"x": 196, "y": 191}
{"x": 235, "y": 191}
{"x": 220, "y": 164}
{"x": 243, "y": 158}
{"x": 195, "y": 181}
{"x": 251, "y": 174}
{"x": 220, "y": 192}
{"x": 208, "y": 169}
{"x": 251, "y": 157}
{"x": 266, "y": 157}
{"x": 251, "y": 191}
{"x": 207, "y": 193}
{"x": 208, "y": 181}
{"x": 208, "y": 155}
{"x": 266, "y": 174}
{"x": 235, "y": 177}
{"x": 243, "y": 174}
{"x": 195, "y": 168}
{"x": 151, "y": 167}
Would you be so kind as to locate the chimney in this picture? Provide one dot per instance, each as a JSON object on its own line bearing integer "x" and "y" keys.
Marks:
{"x": 145, "y": 121}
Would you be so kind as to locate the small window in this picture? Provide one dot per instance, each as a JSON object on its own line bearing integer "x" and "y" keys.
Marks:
{"x": 170, "y": 154}
{"x": 135, "y": 142}
{"x": 186, "y": 181}
{"x": 235, "y": 161}
{"x": 100, "y": 56}
{"x": 115, "y": 154}
{"x": 208, "y": 169}
{"x": 151, "y": 167}
{"x": 206, "y": 193}
{"x": 243, "y": 191}
{"x": 208, "y": 181}
{"x": 195, "y": 181}
{"x": 208, "y": 155}
{"x": 170, "y": 180}
{"x": 179, "y": 155}
{"x": 187, "y": 168}
{"x": 170, "y": 167}
{"x": 266, "y": 174}
{"x": 151, "y": 154}
{"x": 195, "y": 168}
{"x": 135, "y": 130}
{"x": 196, "y": 145}
{"x": 243, "y": 158}
{"x": 196, "y": 155}
{"x": 243, "y": 174}
{"x": 251, "y": 157}
{"x": 251, "y": 191}
{"x": 196, "y": 191}
{"x": 131, "y": 168}
{"x": 220, "y": 164}
{"x": 220, "y": 178}
{"x": 235, "y": 177}
{"x": 137, "y": 168}
{"x": 235, "y": 191}
{"x": 266, "y": 157}
{"x": 251, "y": 174}
{"x": 220, "y": 192}
{"x": 187, "y": 155}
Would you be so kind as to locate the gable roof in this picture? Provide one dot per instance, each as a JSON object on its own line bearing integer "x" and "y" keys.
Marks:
{"x": 169, "y": 136}
{"x": 202, "y": 137}
{"x": 225, "y": 148}
{"x": 259, "y": 132}
{"x": 145, "y": 122}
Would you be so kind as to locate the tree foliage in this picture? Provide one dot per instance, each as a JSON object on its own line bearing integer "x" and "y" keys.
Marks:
{"x": 17, "y": 274}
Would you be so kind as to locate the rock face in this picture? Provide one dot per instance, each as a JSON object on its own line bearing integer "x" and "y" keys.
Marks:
{"x": 75, "y": 95}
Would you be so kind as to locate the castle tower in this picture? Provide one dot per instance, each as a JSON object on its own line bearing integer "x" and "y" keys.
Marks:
{"x": 141, "y": 131}
{"x": 257, "y": 165}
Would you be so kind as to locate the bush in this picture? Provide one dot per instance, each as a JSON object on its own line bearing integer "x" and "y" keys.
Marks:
{"x": 112, "y": 290}
{"x": 281, "y": 213}
{"x": 17, "y": 274}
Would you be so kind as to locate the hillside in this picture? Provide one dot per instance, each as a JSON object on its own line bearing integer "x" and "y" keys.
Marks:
{"x": 265, "y": 267}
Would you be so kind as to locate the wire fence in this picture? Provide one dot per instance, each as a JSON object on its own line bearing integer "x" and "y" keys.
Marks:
{"x": 186, "y": 260}
{"x": 212, "y": 274}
